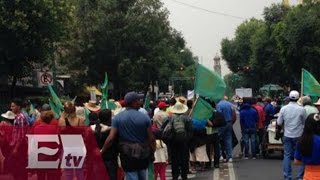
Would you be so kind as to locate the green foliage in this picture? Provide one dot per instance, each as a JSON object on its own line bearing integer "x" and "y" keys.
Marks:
{"x": 276, "y": 48}
{"x": 131, "y": 40}
{"x": 28, "y": 30}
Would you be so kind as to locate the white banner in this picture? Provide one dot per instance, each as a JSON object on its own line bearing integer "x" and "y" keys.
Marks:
{"x": 244, "y": 92}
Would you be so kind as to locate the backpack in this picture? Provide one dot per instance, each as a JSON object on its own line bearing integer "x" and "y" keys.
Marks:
{"x": 179, "y": 128}
{"x": 167, "y": 132}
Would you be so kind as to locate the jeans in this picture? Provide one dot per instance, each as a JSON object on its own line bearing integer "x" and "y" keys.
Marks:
{"x": 250, "y": 134}
{"x": 136, "y": 175}
{"x": 225, "y": 134}
{"x": 289, "y": 148}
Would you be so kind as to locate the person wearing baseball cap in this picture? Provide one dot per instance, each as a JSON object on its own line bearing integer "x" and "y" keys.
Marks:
{"x": 136, "y": 140}
{"x": 292, "y": 117}
{"x": 161, "y": 114}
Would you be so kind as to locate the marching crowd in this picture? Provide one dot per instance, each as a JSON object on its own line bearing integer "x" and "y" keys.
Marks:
{"x": 137, "y": 143}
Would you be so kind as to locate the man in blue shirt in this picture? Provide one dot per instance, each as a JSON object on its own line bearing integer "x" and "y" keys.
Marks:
{"x": 136, "y": 140}
{"x": 225, "y": 132}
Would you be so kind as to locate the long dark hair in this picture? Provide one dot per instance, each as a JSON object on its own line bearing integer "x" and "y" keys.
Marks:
{"x": 305, "y": 143}
{"x": 104, "y": 118}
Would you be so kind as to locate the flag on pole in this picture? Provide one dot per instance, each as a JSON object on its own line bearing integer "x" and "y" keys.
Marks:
{"x": 55, "y": 103}
{"x": 74, "y": 99}
{"x": 209, "y": 84}
{"x": 105, "y": 103}
{"x": 310, "y": 86}
{"x": 150, "y": 172}
{"x": 202, "y": 110}
{"x": 104, "y": 90}
{"x": 56, "y": 111}
{"x": 86, "y": 116}
{"x": 146, "y": 104}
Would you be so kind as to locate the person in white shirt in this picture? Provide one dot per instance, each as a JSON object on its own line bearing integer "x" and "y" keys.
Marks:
{"x": 161, "y": 160}
{"x": 292, "y": 116}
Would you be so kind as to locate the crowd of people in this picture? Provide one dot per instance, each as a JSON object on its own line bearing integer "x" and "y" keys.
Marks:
{"x": 136, "y": 143}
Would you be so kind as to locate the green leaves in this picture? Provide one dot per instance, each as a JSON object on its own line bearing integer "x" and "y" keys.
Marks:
{"x": 278, "y": 47}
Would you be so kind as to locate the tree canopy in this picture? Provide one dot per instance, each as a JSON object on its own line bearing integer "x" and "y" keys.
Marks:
{"x": 131, "y": 40}
{"x": 274, "y": 50}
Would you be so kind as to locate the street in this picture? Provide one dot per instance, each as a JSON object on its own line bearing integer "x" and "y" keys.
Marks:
{"x": 240, "y": 169}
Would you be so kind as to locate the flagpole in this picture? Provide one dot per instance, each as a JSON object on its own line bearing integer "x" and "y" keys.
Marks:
{"x": 301, "y": 81}
{"x": 194, "y": 104}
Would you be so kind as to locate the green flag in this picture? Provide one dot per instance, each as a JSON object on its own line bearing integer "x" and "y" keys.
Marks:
{"x": 55, "y": 109}
{"x": 55, "y": 103}
{"x": 150, "y": 171}
{"x": 86, "y": 116}
{"x": 104, "y": 86}
{"x": 104, "y": 89}
{"x": 310, "y": 85}
{"x": 74, "y": 99}
{"x": 146, "y": 103}
{"x": 202, "y": 110}
{"x": 209, "y": 84}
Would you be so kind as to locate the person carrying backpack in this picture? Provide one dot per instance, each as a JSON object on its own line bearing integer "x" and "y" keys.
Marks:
{"x": 181, "y": 129}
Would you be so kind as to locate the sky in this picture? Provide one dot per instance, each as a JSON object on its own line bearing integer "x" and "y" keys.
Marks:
{"x": 203, "y": 30}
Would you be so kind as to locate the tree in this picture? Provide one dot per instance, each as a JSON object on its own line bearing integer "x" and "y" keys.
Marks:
{"x": 29, "y": 31}
{"x": 131, "y": 40}
{"x": 298, "y": 39}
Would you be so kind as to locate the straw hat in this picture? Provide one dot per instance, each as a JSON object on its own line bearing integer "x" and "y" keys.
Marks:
{"x": 182, "y": 99}
{"x": 179, "y": 108}
{"x": 118, "y": 108}
{"x": 317, "y": 103}
{"x": 8, "y": 115}
{"x": 92, "y": 106}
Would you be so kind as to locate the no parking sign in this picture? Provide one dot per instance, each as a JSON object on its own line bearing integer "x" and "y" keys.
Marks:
{"x": 45, "y": 78}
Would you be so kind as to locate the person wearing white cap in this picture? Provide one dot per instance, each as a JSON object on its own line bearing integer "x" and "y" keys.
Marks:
{"x": 293, "y": 117}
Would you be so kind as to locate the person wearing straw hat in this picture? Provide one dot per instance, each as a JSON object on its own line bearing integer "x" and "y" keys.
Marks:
{"x": 307, "y": 105}
{"x": 317, "y": 104}
{"x": 92, "y": 106}
{"x": 182, "y": 128}
{"x": 5, "y": 133}
{"x": 8, "y": 117}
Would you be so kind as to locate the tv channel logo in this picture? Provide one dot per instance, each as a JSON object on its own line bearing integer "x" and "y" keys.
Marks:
{"x": 73, "y": 148}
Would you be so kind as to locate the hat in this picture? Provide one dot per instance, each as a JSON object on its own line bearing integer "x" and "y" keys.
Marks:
{"x": 122, "y": 103}
{"x": 8, "y": 115}
{"x": 45, "y": 107}
{"x": 317, "y": 103}
{"x": 182, "y": 99}
{"x": 162, "y": 105}
{"x": 118, "y": 108}
{"x": 92, "y": 106}
{"x": 179, "y": 108}
{"x": 294, "y": 95}
{"x": 132, "y": 96}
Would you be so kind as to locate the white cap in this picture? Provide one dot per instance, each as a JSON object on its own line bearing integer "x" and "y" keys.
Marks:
{"x": 294, "y": 95}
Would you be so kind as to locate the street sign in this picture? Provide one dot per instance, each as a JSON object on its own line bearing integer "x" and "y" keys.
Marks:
{"x": 45, "y": 78}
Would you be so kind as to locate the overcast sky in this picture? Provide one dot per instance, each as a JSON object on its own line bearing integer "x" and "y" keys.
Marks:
{"x": 204, "y": 31}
